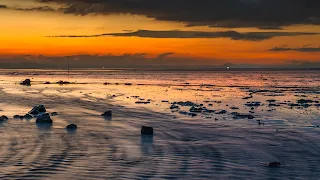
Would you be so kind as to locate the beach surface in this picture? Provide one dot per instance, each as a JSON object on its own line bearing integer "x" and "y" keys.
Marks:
{"x": 207, "y": 125}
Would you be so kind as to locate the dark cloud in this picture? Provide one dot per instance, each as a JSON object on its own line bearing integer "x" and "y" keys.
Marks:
{"x": 234, "y": 35}
{"x": 3, "y": 6}
{"x": 40, "y": 8}
{"x": 302, "y": 49}
{"x": 140, "y": 60}
{"x": 264, "y": 14}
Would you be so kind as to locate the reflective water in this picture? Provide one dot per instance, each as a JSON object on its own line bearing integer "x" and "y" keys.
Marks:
{"x": 207, "y": 145}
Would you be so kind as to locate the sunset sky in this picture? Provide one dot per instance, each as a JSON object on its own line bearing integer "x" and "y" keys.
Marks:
{"x": 153, "y": 33}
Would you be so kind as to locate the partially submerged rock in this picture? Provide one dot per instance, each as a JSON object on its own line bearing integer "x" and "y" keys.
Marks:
{"x": 54, "y": 114}
{"x": 4, "y": 118}
{"x": 253, "y": 104}
{"x": 47, "y": 82}
{"x": 16, "y": 116}
{"x": 72, "y": 128}
{"x": 273, "y": 164}
{"x": 39, "y": 109}
{"x": 27, "y": 117}
{"x": 107, "y": 114}
{"x": 63, "y": 82}
{"x": 242, "y": 116}
{"x": 26, "y": 82}
{"x": 146, "y": 130}
{"x": 44, "y": 118}
{"x": 221, "y": 112}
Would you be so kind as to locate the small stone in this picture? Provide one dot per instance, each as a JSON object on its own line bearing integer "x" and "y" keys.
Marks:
{"x": 26, "y": 82}
{"x": 146, "y": 130}
{"x": 72, "y": 128}
{"x": 54, "y": 114}
{"x": 16, "y": 116}
{"x": 273, "y": 164}
{"x": 27, "y": 116}
{"x": 107, "y": 114}
{"x": 47, "y": 82}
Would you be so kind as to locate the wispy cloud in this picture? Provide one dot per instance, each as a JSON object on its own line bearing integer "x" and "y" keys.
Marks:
{"x": 234, "y": 35}
{"x": 301, "y": 49}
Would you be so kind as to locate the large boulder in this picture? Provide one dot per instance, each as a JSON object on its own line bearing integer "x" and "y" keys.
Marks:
{"x": 26, "y": 82}
{"x": 44, "y": 118}
{"x": 146, "y": 130}
{"x": 39, "y": 109}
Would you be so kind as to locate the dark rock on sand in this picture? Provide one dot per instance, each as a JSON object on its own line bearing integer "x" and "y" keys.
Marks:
{"x": 4, "y": 118}
{"x": 54, "y": 114}
{"x": 253, "y": 104}
{"x": 27, "y": 117}
{"x": 143, "y": 102}
{"x": 38, "y": 109}
{"x": 187, "y": 103}
{"x": 26, "y": 82}
{"x": 128, "y": 84}
{"x": 72, "y": 128}
{"x": 107, "y": 114}
{"x": 174, "y": 107}
{"x": 47, "y": 82}
{"x": 44, "y": 118}
{"x": 63, "y": 82}
{"x": 242, "y": 116}
{"x": 196, "y": 109}
{"x": 146, "y": 130}
{"x": 221, "y": 112}
{"x": 273, "y": 164}
{"x": 16, "y": 116}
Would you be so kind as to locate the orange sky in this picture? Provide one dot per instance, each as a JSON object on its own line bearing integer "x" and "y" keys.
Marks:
{"x": 24, "y": 33}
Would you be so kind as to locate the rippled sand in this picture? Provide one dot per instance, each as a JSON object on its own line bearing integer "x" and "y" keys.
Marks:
{"x": 182, "y": 147}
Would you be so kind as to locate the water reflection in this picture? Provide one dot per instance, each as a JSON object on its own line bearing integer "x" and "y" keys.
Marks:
{"x": 146, "y": 144}
{"x": 44, "y": 126}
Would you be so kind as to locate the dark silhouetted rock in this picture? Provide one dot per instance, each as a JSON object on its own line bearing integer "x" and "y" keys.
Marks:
{"x": 253, "y": 104}
{"x": 146, "y": 130}
{"x": 4, "y": 118}
{"x": 107, "y": 114}
{"x": 273, "y": 164}
{"x": 26, "y": 82}
{"x": 47, "y": 82}
{"x": 221, "y": 112}
{"x": 195, "y": 109}
{"x": 128, "y": 84}
{"x": 143, "y": 102}
{"x": 27, "y": 116}
{"x": 16, "y": 116}
{"x": 44, "y": 118}
{"x": 63, "y": 82}
{"x": 72, "y": 128}
{"x": 38, "y": 110}
{"x": 54, "y": 114}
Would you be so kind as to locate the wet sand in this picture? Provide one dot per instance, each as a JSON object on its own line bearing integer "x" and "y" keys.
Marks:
{"x": 206, "y": 146}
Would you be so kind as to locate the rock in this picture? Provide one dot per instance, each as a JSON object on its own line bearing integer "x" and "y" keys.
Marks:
{"x": 210, "y": 104}
{"x": 38, "y": 110}
{"x": 63, "y": 82}
{"x": 174, "y": 107}
{"x": 146, "y": 130}
{"x": 187, "y": 103}
{"x": 54, "y": 114}
{"x": 16, "y": 116}
{"x": 128, "y": 84}
{"x": 47, "y": 82}
{"x": 21, "y": 117}
{"x": 142, "y": 102}
{"x": 27, "y": 117}
{"x": 107, "y": 114}
{"x": 26, "y": 82}
{"x": 221, "y": 112}
{"x": 253, "y": 104}
{"x": 72, "y": 128}
{"x": 242, "y": 116}
{"x": 44, "y": 118}
{"x": 273, "y": 164}
{"x": 234, "y": 108}
{"x": 164, "y": 101}
{"x": 4, "y": 118}
{"x": 195, "y": 109}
